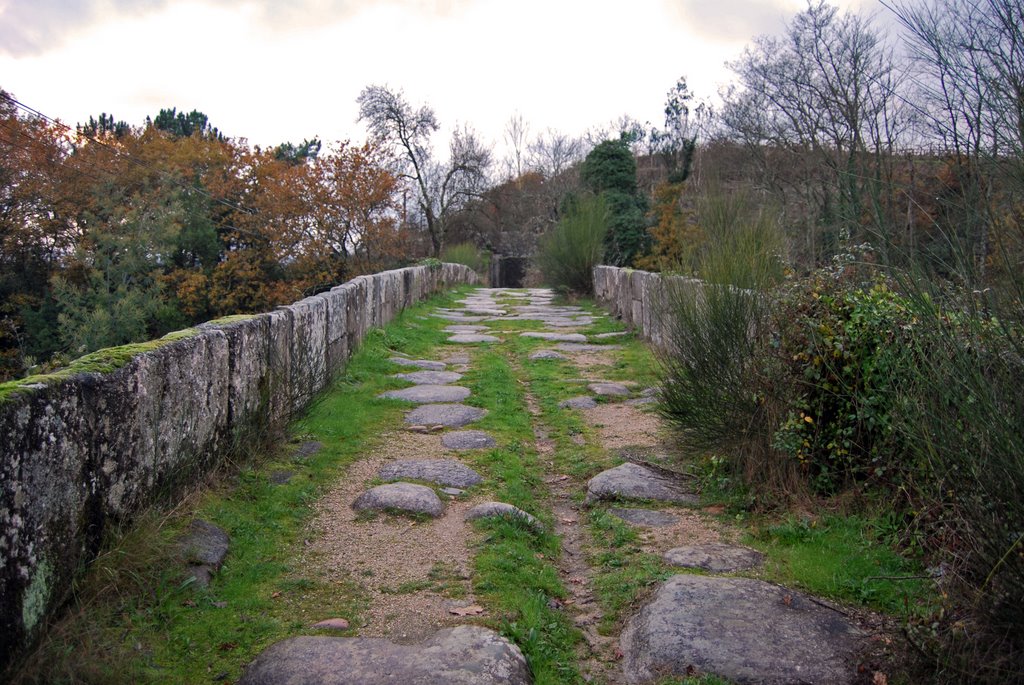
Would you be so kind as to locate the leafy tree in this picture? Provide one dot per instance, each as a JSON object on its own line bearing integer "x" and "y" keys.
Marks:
{"x": 610, "y": 171}
{"x": 182, "y": 125}
{"x": 298, "y": 154}
{"x": 106, "y": 125}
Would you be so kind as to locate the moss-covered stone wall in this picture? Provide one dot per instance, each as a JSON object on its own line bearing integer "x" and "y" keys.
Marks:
{"x": 89, "y": 446}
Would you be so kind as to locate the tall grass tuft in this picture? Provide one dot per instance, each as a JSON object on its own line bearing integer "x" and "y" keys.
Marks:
{"x": 467, "y": 254}
{"x": 713, "y": 327}
{"x": 569, "y": 253}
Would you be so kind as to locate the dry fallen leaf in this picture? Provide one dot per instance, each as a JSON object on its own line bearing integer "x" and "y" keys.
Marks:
{"x": 880, "y": 679}
{"x": 471, "y": 610}
{"x": 275, "y": 594}
{"x": 788, "y": 600}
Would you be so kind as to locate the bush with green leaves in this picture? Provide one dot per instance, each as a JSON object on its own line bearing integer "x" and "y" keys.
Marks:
{"x": 569, "y": 253}
{"x": 834, "y": 354}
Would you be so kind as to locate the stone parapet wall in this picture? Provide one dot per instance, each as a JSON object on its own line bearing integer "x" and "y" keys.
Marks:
{"x": 639, "y": 298}
{"x": 86, "y": 452}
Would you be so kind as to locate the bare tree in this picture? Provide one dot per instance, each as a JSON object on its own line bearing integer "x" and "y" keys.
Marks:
{"x": 552, "y": 153}
{"x": 516, "y": 131}
{"x": 441, "y": 187}
{"x": 825, "y": 90}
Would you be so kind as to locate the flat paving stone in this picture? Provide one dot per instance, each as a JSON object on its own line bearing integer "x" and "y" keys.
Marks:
{"x": 714, "y": 557}
{"x": 582, "y": 402}
{"x": 203, "y": 548}
{"x": 281, "y": 477}
{"x": 472, "y": 338}
{"x": 463, "y": 318}
{"x": 558, "y": 337}
{"x": 613, "y": 334}
{"x": 428, "y": 393}
{"x": 585, "y": 347}
{"x": 485, "y": 311}
{"x": 633, "y": 481}
{"x": 419, "y": 363}
{"x": 467, "y": 440}
{"x": 407, "y": 498}
{"x": 502, "y": 510}
{"x": 464, "y": 329}
{"x": 650, "y": 518}
{"x": 746, "y": 631}
{"x": 429, "y": 377}
{"x": 546, "y": 354}
{"x": 463, "y": 655}
{"x": 440, "y": 471}
{"x": 450, "y": 415}
{"x": 608, "y": 389}
{"x": 306, "y": 450}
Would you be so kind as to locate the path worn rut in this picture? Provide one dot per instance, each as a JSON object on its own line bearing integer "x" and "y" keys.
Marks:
{"x": 416, "y": 574}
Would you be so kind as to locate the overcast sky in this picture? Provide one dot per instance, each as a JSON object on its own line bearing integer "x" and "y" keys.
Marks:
{"x": 284, "y": 70}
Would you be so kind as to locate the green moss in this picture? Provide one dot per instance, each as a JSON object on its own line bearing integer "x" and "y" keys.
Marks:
{"x": 233, "y": 318}
{"x": 101, "y": 361}
{"x": 36, "y": 596}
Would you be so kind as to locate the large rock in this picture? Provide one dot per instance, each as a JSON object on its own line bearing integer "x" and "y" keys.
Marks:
{"x": 714, "y": 557}
{"x": 632, "y": 481}
{"x": 450, "y": 415}
{"x": 406, "y": 498}
{"x": 424, "y": 394}
{"x": 744, "y": 630}
{"x": 440, "y": 471}
{"x": 429, "y": 377}
{"x": 464, "y": 655}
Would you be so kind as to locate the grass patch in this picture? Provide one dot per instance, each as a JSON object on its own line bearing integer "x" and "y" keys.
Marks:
{"x": 625, "y": 574}
{"x": 843, "y": 558}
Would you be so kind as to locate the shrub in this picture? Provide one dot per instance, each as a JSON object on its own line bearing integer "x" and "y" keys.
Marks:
{"x": 713, "y": 330}
{"x": 962, "y": 419}
{"x": 832, "y": 360}
{"x": 467, "y": 254}
{"x": 569, "y": 253}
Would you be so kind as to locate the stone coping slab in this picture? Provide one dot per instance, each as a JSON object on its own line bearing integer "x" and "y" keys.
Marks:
{"x": 419, "y": 363}
{"x": 651, "y": 518}
{"x": 463, "y": 655}
{"x": 744, "y": 630}
{"x": 472, "y": 338}
{"x": 582, "y": 402}
{"x": 556, "y": 337}
{"x": 546, "y": 354}
{"x": 502, "y": 509}
{"x": 468, "y": 440}
{"x": 714, "y": 557}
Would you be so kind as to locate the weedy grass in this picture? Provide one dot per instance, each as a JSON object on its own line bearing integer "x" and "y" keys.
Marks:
{"x": 844, "y": 558}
